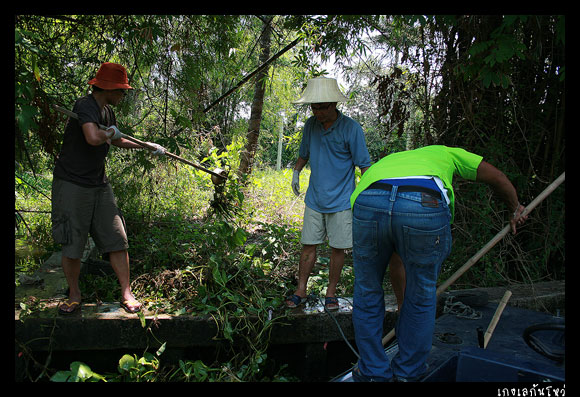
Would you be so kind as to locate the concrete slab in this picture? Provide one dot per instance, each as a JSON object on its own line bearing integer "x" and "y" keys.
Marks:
{"x": 107, "y": 326}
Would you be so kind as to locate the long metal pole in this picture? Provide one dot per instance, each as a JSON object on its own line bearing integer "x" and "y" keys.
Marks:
{"x": 252, "y": 74}
{"x": 145, "y": 144}
{"x": 545, "y": 193}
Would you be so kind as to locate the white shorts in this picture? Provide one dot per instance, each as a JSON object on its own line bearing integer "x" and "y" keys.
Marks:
{"x": 336, "y": 226}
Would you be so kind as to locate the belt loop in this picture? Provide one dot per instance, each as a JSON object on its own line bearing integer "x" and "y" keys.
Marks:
{"x": 394, "y": 193}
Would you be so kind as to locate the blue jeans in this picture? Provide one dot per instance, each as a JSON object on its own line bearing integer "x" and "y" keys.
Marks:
{"x": 385, "y": 222}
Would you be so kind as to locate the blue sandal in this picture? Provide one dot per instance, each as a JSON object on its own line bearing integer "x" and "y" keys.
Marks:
{"x": 331, "y": 303}
{"x": 293, "y": 301}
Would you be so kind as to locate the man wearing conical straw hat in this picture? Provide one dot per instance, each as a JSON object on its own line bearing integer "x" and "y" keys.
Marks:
{"x": 334, "y": 145}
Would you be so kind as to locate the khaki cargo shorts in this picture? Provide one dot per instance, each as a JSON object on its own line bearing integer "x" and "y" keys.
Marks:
{"x": 336, "y": 226}
{"x": 78, "y": 211}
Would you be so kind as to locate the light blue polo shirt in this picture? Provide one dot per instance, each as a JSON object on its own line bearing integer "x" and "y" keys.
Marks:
{"x": 333, "y": 155}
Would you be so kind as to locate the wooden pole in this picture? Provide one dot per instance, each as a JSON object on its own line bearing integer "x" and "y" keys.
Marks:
{"x": 495, "y": 318}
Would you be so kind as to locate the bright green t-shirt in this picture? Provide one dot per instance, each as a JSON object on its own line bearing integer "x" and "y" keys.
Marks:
{"x": 437, "y": 160}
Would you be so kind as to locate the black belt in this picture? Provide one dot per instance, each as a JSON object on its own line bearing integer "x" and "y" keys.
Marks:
{"x": 405, "y": 188}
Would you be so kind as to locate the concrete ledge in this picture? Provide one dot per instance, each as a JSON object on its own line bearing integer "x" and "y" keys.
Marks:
{"x": 107, "y": 326}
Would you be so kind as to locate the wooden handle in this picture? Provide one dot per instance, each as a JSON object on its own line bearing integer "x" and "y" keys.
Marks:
{"x": 497, "y": 238}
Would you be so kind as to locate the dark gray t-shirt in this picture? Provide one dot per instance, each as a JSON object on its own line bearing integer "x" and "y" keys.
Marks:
{"x": 79, "y": 162}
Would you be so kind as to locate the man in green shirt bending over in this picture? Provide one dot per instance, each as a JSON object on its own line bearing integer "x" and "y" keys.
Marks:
{"x": 405, "y": 204}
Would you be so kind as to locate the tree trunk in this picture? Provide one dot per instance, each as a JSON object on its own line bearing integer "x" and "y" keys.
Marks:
{"x": 247, "y": 156}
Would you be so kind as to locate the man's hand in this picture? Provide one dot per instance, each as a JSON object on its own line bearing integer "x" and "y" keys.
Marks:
{"x": 501, "y": 185}
{"x": 159, "y": 150}
{"x": 296, "y": 182}
{"x": 517, "y": 218}
{"x": 113, "y": 133}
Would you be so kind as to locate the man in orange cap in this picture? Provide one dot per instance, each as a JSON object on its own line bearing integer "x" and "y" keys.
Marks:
{"x": 82, "y": 198}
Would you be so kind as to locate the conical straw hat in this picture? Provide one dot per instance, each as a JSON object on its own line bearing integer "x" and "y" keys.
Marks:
{"x": 320, "y": 90}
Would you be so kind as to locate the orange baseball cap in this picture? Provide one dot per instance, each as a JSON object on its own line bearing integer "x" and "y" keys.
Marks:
{"x": 111, "y": 76}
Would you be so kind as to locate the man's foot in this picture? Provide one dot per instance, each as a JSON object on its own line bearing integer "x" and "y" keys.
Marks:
{"x": 131, "y": 305}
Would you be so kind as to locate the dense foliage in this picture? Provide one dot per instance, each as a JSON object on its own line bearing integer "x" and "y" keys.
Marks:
{"x": 494, "y": 85}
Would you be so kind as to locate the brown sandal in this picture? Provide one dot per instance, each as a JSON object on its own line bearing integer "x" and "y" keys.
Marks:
{"x": 131, "y": 306}
{"x": 77, "y": 306}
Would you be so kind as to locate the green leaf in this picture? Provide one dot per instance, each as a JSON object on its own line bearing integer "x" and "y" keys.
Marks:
{"x": 228, "y": 331}
{"x": 149, "y": 357}
{"x": 35, "y": 69}
{"x": 61, "y": 376}
{"x": 24, "y": 116}
{"x": 479, "y": 47}
{"x": 239, "y": 237}
{"x": 126, "y": 363}
{"x": 184, "y": 121}
{"x": 180, "y": 312}
{"x": 505, "y": 81}
{"x": 200, "y": 370}
{"x": 161, "y": 349}
{"x": 219, "y": 276}
{"x": 486, "y": 78}
{"x": 80, "y": 371}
